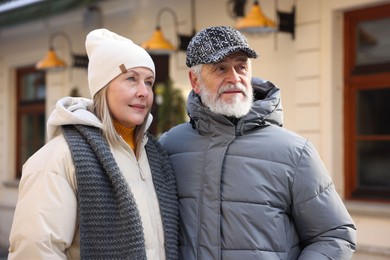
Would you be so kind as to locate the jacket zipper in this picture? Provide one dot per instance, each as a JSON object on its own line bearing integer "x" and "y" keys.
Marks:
{"x": 141, "y": 172}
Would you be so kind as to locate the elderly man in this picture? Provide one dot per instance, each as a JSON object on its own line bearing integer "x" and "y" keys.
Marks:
{"x": 248, "y": 188}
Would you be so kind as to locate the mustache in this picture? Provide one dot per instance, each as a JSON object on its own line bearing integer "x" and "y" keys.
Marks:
{"x": 229, "y": 87}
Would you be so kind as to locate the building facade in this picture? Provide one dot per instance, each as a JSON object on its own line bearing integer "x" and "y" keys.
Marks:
{"x": 310, "y": 67}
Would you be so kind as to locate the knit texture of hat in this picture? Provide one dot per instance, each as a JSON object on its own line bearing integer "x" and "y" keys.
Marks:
{"x": 110, "y": 224}
{"x": 106, "y": 52}
{"x": 212, "y": 44}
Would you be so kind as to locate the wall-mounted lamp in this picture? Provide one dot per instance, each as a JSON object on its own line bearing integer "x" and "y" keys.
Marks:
{"x": 52, "y": 62}
{"x": 256, "y": 22}
{"x": 158, "y": 44}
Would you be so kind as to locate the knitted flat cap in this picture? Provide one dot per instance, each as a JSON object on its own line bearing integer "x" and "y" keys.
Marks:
{"x": 212, "y": 44}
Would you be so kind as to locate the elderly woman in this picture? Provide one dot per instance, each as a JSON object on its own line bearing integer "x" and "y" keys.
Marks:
{"x": 101, "y": 188}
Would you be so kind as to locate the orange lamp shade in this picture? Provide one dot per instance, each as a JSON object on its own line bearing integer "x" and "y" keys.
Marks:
{"x": 255, "y": 21}
{"x": 157, "y": 43}
{"x": 51, "y": 61}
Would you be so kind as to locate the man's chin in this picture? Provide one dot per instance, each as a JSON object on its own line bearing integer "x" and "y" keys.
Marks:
{"x": 233, "y": 108}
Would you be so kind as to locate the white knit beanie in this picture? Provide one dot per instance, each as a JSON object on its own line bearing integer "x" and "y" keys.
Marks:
{"x": 107, "y": 51}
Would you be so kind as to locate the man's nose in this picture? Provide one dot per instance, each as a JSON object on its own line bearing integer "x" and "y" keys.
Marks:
{"x": 232, "y": 76}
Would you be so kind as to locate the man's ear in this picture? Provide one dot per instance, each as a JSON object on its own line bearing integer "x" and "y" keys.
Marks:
{"x": 194, "y": 81}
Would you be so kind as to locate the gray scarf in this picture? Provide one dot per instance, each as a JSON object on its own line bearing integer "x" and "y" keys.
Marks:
{"x": 110, "y": 224}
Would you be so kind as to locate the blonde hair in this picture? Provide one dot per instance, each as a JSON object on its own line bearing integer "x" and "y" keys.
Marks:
{"x": 100, "y": 108}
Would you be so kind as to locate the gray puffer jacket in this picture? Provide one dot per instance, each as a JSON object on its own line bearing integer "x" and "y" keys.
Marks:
{"x": 254, "y": 190}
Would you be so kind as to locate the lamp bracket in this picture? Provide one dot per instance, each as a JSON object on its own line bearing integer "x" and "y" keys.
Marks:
{"x": 78, "y": 60}
{"x": 287, "y": 22}
{"x": 237, "y": 9}
{"x": 183, "y": 40}
{"x": 169, "y": 10}
{"x": 64, "y": 36}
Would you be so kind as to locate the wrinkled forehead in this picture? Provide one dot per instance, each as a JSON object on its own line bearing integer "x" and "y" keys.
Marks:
{"x": 231, "y": 60}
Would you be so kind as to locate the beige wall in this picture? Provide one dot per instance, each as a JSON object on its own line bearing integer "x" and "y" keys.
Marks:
{"x": 308, "y": 69}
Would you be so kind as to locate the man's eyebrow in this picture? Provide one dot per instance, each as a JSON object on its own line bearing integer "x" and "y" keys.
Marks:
{"x": 238, "y": 56}
{"x": 241, "y": 57}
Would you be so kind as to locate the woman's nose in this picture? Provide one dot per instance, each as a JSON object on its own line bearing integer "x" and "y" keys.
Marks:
{"x": 142, "y": 90}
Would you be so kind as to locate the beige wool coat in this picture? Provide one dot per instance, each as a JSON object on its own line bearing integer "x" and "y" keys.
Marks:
{"x": 46, "y": 224}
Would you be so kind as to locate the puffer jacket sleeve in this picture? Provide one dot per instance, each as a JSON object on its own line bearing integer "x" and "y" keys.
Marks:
{"x": 323, "y": 223}
{"x": 44, "y": 222}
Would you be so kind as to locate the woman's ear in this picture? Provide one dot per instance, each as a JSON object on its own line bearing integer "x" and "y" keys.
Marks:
{"x": 194, "y": 81}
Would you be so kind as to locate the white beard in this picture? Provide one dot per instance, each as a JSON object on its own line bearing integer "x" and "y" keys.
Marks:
{"x": 236, "y": 107}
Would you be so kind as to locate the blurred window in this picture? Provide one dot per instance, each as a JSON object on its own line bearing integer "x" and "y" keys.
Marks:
{"x": 367, "y": 103}
{"x": 31, "y": 96}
